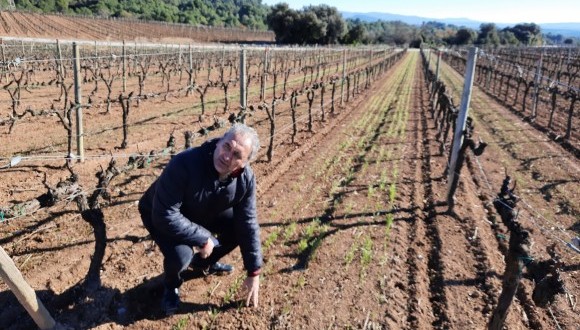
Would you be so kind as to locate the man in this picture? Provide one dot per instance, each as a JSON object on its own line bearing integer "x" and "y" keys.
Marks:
{"x": 204, "y": 190}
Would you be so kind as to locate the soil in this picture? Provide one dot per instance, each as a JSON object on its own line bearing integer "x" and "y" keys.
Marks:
{"x": 354, "y": 231}
{"x": 18, "y": 24}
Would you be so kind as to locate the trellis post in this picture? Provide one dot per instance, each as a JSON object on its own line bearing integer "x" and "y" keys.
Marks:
{"x": 436, "y": 72}
{"x": 24, "y": 293}
{"x": 537, "y": 80}
{"x": 79, "y": 108}
{"x": 343, "y": 76}
{"x": 461, "y": 118}
{"x": 124, "y": 54}
{"x": 243, "y": 101}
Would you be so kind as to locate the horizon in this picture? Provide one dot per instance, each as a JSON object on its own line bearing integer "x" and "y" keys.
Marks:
{"x": 490, "y": 11}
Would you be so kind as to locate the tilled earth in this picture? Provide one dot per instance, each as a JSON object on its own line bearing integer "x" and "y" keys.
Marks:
{"x": 354, "y": 231}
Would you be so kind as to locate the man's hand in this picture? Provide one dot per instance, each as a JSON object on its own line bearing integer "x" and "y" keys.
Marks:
{"x": 252, "y": 285}
{"x": 207, "y": 249}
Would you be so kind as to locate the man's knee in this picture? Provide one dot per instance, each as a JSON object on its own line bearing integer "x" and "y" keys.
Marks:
{"x": 179, "y": 256}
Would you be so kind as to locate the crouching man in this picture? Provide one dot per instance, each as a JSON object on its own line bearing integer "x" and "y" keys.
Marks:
{"x": 206, "y": 198}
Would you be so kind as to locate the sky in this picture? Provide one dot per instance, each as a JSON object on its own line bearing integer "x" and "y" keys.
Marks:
{"x": 489, "y": 11}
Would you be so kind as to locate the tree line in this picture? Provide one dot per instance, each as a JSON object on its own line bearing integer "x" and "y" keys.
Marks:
{"x": 321, "y": 24}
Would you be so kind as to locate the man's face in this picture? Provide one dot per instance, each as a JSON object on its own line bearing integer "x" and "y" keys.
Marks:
{"x": 231, "y": 154}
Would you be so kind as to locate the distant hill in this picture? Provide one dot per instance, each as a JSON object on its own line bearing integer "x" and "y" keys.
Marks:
{"x": 565, "y": 29}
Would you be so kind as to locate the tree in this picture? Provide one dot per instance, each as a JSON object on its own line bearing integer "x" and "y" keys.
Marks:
{"x": 488, "y": 35}
{"x": 526, "y": 33}
{"x": 281, "y": 20}
{"x": 330, "y": 17}
{"x": 309, "y": 29}
{"x": 356, "y": 33}
{"x": 508, "y": 38}
{"x": 465, "y": 36}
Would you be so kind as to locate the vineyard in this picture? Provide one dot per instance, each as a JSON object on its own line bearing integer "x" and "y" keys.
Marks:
{"x": 19, "y": 24}
{"x": 357, "y": 227}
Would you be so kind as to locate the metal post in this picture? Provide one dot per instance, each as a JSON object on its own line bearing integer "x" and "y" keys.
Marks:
{"x": 77, "y": 69}
{"x": 343, "y": 77}
{"x": 190, "y": 83}
{"x": 264, "y": 75}
{"x": 59, "y": 64}
{"x": 4, "y": 59}
{"x": 436, "y": 72}
{"x": 124, "y": 54}
{"x": 462, "y": 116}
{"x": 537, "y": 81}
{"x": 243, "y": 101}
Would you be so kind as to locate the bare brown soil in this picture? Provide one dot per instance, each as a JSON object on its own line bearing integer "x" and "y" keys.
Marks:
{"x": 353, "y": 231}
{"x": 34, "y": 25}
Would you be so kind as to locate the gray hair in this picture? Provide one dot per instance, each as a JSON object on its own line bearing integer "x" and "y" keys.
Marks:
{"x": 246, "y": 131}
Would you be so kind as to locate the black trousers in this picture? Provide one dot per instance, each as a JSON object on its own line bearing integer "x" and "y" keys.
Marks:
{"x": 177, "y": 257}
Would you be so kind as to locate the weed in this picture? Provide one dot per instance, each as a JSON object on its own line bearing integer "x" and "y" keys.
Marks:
{"x": 366, "y": 255}
{"x": 349, "y": 257}
{"x": 302, "y": 245}
{"x": 301, "y": 281}
{"x": 392, "y": 192}
{"x": 312, "y": 228}
{"x": 271, "y": 238}
{"x": 290, "y": 230}
{"x": 371, "y": 191}
{"x": 231, "y": 292}
{"x": 181, "y": 324}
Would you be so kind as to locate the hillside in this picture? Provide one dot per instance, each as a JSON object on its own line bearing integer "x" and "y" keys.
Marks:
{"x": 34, "y": 25}
{"x": 565, "y": 29}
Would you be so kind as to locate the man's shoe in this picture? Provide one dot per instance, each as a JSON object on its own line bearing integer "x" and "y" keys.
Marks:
{"x": 170, "y": 302}
{"x": 217, "y": 268}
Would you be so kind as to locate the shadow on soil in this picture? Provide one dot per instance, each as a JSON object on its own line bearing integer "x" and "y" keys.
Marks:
{"x": 78, "y": 309}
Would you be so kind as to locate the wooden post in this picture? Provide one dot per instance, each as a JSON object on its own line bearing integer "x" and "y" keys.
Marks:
{"x": 24, "y": 293}
{"x": 243, "y": 101}
{"x": 79, "y": 112}
{"x": 462, "y": 117}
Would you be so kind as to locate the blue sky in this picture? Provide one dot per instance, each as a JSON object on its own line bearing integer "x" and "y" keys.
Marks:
{"x": 496, "y": 11}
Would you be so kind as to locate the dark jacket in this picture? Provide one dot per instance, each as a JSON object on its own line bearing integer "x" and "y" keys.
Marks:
{"x": 188, "y": 194}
